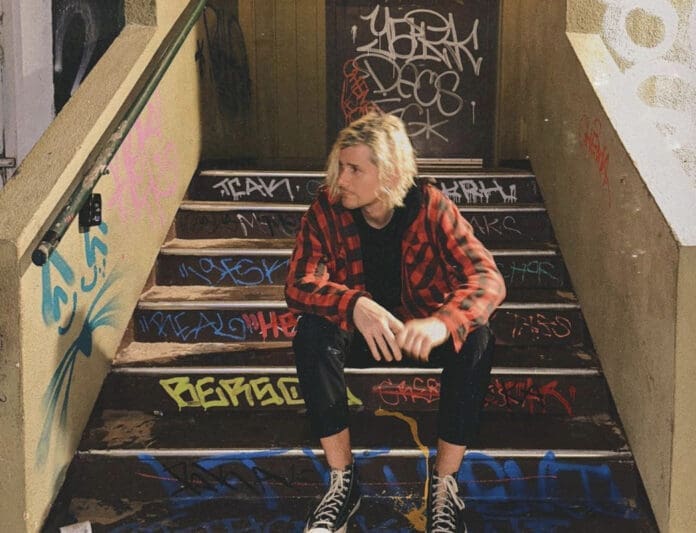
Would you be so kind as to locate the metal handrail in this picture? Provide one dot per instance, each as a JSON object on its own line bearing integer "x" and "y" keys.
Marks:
{"x": 163, "y": 58}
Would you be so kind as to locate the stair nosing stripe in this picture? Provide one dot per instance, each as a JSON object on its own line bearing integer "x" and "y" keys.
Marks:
{"x": 220, "y": 206}
{"x": 266, "y": 370}
{"x": 321, "y": 174}
{"x": 393, "y": 452}
{"x": 188, "y": 305}
{"x": 280, "y": 252}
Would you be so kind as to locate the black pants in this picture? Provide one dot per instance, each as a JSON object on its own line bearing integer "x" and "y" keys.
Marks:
{"x": 322, "y": 350}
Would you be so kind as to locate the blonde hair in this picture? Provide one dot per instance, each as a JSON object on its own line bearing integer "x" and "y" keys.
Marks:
{"x": 392, "y": 153}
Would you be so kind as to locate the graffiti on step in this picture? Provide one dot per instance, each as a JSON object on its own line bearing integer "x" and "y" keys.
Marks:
{"x": 518, "y": 395}
{"x": 240, "y": 391}
{"x": 197, "y": 326}
{"x": 245, "y": 224}
{"x": 494, "y": 225}
{"x": 525, "y": 272}
{"x": 591, "y": 140}
{"x": 259, "y": 188}
{"x": 62, "y": 296}
{"x": 471, "y": 191}
{"x": 236, "y": 271}
{"x": 145, "y": 170}
{"x": 539, "y": 326}
{"x": 82, "y": 32}
{"x": 500, "y": 490}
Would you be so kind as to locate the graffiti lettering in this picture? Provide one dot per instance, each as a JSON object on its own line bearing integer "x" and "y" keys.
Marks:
{"x": 209, "y": 392}
{"x": 539, "y": 326}
{"x": 273, "y": 225}
{"x": 524, "y": 394}
{"x": 238, "y": 189}
{"x": 590, "y": 134}
{"x": 478, "y": 191}
{"x": 537, "y": 270}
{"x": 418, "y": 390}
{"x": 488, "y": 226}
{"x": 236, "y": 271}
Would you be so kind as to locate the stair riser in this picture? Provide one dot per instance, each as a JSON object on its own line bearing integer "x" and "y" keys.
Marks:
{"x": 491, "y": 227}
{"x": 524, "y": 326}
{"x": 199, "y": 392}
{"x": 519, "y": 271}
{"x": 302, "y": 190}
{"x": 482, "y": 478}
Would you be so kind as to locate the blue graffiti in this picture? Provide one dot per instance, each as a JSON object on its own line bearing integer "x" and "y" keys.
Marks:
{"x": 215, "y": 271}
{"x": 54, "y": 297}
{"x": 61, "y": 381}
{"x": 536, "y": 271}
{"x": 235, "y": 329}
{"x": 92, "y": 244}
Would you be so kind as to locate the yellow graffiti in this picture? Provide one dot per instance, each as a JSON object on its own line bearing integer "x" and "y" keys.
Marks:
{"x": 209, "y": 392}
{"x": 416, "y": 516}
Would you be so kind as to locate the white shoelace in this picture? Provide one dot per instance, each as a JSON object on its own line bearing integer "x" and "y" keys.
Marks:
{"x": 445, "y": 505}
{"x": 330, "y": 504}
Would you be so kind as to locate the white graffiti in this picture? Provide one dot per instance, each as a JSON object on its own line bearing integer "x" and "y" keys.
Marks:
{"x": 415, "y": 65}
{"x": 68, "y": 12}
{"x": 669, "y": 63}
{"x": 472, "y": 191}
{"x": 238, "y": 189}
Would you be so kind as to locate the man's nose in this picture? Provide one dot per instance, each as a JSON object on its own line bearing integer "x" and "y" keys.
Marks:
{"x": 342, "y": 177}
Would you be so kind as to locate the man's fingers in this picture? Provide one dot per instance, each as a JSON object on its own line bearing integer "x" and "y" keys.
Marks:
{"x": 393, "y": 345}
{"x": 386, "y": 353}
{"x": 373, "y": 348}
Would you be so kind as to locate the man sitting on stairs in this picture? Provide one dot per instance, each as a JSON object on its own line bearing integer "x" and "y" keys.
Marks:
{"x": 386, "y": 268}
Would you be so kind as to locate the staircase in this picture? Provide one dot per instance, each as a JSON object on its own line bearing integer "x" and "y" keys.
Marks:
{"x": 200, "y": 424}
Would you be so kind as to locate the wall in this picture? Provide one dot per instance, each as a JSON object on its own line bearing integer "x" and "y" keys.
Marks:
{"x": 619, "y": 200}
{"x": 278, "y": 48}
{"x": 65, "y": 320}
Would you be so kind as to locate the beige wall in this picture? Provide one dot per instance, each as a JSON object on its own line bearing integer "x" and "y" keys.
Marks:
{"x": 62, "y": 323}
{"x": 618, "y": 200}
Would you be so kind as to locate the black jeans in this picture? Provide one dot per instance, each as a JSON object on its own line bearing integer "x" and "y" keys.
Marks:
{"x": 322, "y": 350}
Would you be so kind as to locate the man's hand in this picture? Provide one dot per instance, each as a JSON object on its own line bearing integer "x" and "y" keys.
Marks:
{"x": 419, "y": 336}
{"x": 379, "y": 327}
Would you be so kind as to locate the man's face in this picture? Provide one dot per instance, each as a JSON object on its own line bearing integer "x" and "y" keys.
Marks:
{"x": 357, "y": 177}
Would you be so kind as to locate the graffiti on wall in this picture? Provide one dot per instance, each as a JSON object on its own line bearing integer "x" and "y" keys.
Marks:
{"x": 65, "y": 292}
{"x": 669, "y": 65}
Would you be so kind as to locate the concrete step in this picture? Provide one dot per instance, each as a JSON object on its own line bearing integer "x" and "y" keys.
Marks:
{"x": 216, "y": 264}
{"x": 211, "y": 494}
{"x": 525, "y": 390}
{"x": 494, "y": 226}
{"x": 488, "y": 187}
{"x": 254, "y": 314}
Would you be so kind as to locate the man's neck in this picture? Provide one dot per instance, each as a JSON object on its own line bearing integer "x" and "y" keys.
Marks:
{"x": 377, "y": 215}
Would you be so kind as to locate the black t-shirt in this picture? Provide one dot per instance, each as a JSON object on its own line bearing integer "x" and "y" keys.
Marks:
{"x": 381, "y": 255}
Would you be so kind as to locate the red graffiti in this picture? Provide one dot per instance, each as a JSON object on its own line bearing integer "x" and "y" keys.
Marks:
{"x": 419, "y": 390}
{"x": 271, "y": 323}
{"x": 590, "y": 134}
{"x": 525, "y": 395}
{"x": 354, "y": 102}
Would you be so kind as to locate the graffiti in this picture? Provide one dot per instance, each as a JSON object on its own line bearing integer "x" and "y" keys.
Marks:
{"x": 241, "y": 391}
{"x": 418, "y": 390}
{"x": 238, "y": 189}
{"x": 539, "y": 326}
{"x": 144, "y": 170}
{"x": 478, "y": 191}
{"x": 537, "y": 270}
{"x": 241, "y": 224}
{"x": 187, "y": 326}
{"x": 82, "y": 31}
{"x": 414, "y": 64}
{"x": 275, "y": 225}
{"x": 228, "y": 70}
{"x": 245, "y": 271}
{"x": 524, "y": 394}
{"x": 591, "y": 141}
{"x": 98, "y": 315}
{"x": 669, "y": 62}
{"x": 491, "y": 225}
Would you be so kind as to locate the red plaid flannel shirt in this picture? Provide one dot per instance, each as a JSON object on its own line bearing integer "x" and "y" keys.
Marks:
{"x": 446, "y": 271}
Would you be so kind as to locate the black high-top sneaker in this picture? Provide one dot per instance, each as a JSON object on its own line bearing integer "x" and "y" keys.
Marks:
{"x": 338, "y": 504}
{"x": 444, "y": 506}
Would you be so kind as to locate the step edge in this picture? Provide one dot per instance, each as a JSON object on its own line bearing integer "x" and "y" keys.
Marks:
{"x": 168, "y": 249}
{"x": 218, "y": 206}
{"x": 309, "y": 174}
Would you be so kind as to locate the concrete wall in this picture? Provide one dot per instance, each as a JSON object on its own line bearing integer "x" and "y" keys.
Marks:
{"x": 618, "y": 188}
{"x": 61, "y": 324}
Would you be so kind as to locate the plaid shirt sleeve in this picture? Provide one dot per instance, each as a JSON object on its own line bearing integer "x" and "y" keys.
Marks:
{"x": 480, "y": 287}
{"x": 309, "y": 287}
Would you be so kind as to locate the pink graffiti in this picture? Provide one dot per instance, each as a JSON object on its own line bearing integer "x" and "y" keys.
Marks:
{"x": 271, "y": 323}
{"x": 540, "y": 326}
{"x": 354, "y": 102}
{"x": 525, "y": 395}
{"x": 418, "y": 390}
{"x": 590, "y": 134}
{"x": 144, "y": 169}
